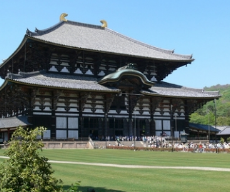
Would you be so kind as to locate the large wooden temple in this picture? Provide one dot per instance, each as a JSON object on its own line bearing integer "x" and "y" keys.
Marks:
{"x": 79, "y": 79}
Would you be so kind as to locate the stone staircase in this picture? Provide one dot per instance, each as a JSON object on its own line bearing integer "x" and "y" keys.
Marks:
{"x": 102, "y": 144}
{"x": 131, "y": 143}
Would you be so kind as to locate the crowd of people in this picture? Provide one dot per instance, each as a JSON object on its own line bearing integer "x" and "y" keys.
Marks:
{"x": 197, "y": 147}
{"x": 167, "y": 142}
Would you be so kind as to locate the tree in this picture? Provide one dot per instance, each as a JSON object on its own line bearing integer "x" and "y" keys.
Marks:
{"x": 25, "y": 170}
{"x": 196, "y": 118}
{"x": 223, "y": 121}
{"x": 221, "y": 140}
{"x": 228, "y": 139}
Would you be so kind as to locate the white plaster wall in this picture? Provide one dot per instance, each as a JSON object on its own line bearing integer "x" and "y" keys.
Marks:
{"x": 61, "y": 134}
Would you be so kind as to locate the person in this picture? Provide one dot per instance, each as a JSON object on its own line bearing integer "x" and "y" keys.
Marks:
{"x": 118, "y": 141}
{"x": 200, "y": 147}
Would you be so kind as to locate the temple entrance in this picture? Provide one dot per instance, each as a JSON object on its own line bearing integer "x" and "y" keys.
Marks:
{"x": 118, "y": 133}
{"x": 142, "y": 133}
{"x": 91, "y": 127}
{"x": 116, "y": 127}
{"x": 142, "y": 127}
{"x": 93, "y": 134}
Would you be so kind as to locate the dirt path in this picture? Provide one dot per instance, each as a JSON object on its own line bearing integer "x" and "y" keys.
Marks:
{"x": 139, "y": 166}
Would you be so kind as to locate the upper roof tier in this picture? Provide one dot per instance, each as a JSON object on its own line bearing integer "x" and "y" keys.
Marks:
{"x": 101, "y": 39}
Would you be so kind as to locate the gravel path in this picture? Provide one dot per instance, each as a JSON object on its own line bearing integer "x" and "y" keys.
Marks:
{"x": 139, "y": 166}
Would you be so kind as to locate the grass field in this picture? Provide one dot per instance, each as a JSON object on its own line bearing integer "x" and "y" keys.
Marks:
{"x": 140, "y": 180}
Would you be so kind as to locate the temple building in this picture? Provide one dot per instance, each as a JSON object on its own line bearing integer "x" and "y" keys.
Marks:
{"x": 81, "y": 80}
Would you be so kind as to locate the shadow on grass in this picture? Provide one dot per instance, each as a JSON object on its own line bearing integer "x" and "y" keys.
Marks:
{"x": 90, "y": 189}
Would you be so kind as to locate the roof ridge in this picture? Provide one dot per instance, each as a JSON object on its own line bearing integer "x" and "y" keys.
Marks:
{"x": 47, "y": 30}
{"x": 211, "y": 91}
{"x": 84, "y": 24}
{"x": 43, "y": 31}
{"x": 147, "y": 45}
{"x": 23, "y": 74}
{"x": 193, "y": 89}
{"x": 202, "y": 90}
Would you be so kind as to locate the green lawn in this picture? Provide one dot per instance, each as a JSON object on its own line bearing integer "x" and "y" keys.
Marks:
{"x": 141, "y": 180}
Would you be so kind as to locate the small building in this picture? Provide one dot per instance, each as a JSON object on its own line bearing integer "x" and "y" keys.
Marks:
{"x": 224, "y": 133}
{"x": 81, "y": 80}
{"x": 8, "y": 125}
{"x": 202, "y": 132}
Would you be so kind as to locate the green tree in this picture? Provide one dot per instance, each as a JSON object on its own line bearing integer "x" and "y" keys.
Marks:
{"x": 228, "y": 139}
{"x": 223, "y": 121}
{"x": 196, "y": 118}
{"x": 25, "y": 170}
{"x": 221, "y": 140}
{"x": 220, "y": 109}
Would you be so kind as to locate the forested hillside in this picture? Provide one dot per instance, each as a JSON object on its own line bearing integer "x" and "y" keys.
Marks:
{"x": 206, "y": 115}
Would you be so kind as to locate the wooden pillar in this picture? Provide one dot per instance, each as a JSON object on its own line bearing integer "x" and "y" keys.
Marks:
{"x": 152, "y": 126}
{"x": 126, "y": 127}
{"x": 101, "y": 132}
{"x": 130, "y": 117}
{"x": 138, "y": 124}
{"x": 80, "y": 124}
{"x": 147, "y": 127}
{"x": 186, "y": 109}
{"x": 106, "y": 124}
{"x": 154, "y": 103}
{"x": 82, "y": 97}
{"x": 130, "y": 125}
{"x": 171, "y": 119}
{"x": 53, "y": 118}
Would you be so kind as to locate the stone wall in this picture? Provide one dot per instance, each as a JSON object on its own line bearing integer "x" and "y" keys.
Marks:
{"x": 66, "y": 144}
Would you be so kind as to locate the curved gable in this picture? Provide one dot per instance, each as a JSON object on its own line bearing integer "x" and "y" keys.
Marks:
{"x": 127, "y": 78}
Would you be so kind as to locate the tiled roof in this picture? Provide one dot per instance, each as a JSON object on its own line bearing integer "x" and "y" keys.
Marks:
{"x": 97, "y": 38}
{"x": 11, "y": 122}
{"x": 53, "y": 80}
{"x": 225, "y": 131}
{"x": 203, "y": 127}
{"x": 60, "y": 81}
{"x": 172, "y": 90}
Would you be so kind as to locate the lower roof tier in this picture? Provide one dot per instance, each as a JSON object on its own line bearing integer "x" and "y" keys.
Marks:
{"x": 83, "y": 83}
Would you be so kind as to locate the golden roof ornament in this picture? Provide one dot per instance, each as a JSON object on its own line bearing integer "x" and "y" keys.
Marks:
{"x": 62, "y": 17}
{"x": 104, "y": 23}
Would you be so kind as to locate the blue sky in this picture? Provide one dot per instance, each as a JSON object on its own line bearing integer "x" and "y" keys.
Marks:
{"x": 201, "y": 28}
